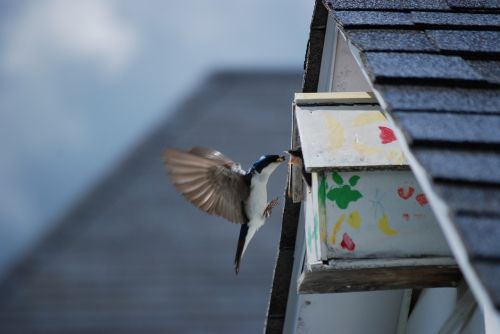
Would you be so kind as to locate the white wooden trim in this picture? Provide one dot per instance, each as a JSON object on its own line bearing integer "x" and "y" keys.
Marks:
{"x": 294, "y": 299}
{"x": 303, "y": 99}
{"x": 388, "y": 263}
{"x": 404, "y": 311}
{"x": 460, "y": 315}
{"x": 328, "y": 56}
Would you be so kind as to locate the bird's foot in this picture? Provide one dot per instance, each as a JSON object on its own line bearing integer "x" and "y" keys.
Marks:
{"x": 270, "y": 206}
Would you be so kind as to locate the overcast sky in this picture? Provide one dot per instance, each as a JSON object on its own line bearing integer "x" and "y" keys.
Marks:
{"x": 81, "y": 81}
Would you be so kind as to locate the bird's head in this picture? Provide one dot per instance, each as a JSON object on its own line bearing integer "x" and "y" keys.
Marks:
{"x": 267, "y": 164}
{"x": 295, "y": 156}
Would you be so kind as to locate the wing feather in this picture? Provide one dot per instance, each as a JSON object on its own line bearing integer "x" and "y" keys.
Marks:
{"x": 210, "y": 181}
{"x": 209, "y": 153}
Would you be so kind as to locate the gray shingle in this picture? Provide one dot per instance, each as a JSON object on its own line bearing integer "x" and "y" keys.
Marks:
{"x": 462, "y": 165}
{"x": 489, "y": 69}
{"x": 470, "y": 198}
{"x": 456, "y": 19}
{"x": 391, "y": 40}
{"x": 419, "y": 65}
{"x": 370, "y": 18}
{"x": 489, "y": 274}
{"x": 441, "y": 98}
{"x": 452, "y": 128}
{"x": 387, "y": 4}
{"x": 481, "y": 235}
{"x": 466, "y": 41}
{"x": 478, "y": 4}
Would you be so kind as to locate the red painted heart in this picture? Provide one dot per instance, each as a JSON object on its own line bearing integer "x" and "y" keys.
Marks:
{"x": 421, "y": 199}
{"x": 408, "y": 194}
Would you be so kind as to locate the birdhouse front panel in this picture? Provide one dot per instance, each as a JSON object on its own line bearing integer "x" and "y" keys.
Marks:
{"x": 371, "y": 214}
{"x": 364, "y": 202}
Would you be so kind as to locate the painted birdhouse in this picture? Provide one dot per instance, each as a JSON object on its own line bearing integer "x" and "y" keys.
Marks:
{"x": 368, "y": 225}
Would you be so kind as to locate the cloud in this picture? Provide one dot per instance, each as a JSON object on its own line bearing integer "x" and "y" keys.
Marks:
{"x": 50, "y": 32}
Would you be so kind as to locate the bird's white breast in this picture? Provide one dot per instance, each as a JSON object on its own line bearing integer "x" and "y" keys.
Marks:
{"x": 257, "y": 200}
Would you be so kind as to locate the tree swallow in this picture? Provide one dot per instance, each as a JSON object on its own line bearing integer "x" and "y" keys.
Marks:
{"x": 296, "y": 158}
{"x": 218, "y": 186}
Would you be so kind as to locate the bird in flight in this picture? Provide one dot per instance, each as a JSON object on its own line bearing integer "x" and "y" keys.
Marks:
{"x": 219, "y": 186}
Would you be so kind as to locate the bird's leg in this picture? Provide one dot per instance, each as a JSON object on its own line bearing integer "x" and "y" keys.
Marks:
{"x": 269, "y": 208}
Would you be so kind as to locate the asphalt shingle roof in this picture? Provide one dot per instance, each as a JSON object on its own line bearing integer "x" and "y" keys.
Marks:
{"x": 429, "y": 127}
{"x": 474, "y": 4}
{"x": 436, "y": 66}
{"x": 480, "y": 228}
{"x": 135, "y": 257}
{"x": 387, "y": 4}
{"x": 419, "y": 66}
{"x": 490, "y": 70}
{"x": 392, "y": 40}
{"x": 442, "y": 98}
{"x": 455, "y": 19}
{"x": 468, "y": 42}
{"x": 464, "y": 197}
{"x": 353, "y": 18}
{"x": 461, "y": 164}
{"x": 491, "y": 271}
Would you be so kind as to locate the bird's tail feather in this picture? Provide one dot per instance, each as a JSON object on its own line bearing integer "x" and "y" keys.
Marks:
{"x": 241, "y": 246}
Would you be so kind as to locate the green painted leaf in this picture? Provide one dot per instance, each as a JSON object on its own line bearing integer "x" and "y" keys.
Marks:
{"x": 344, "y": 195}
{"x": 354, "y": 180}
{"x": 332, "y": 194}
{"x": 355, "y": 196}
{"x": 337, "y": 178}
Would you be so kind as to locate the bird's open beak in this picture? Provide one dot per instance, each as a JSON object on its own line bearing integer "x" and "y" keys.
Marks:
{"x": 293, "y": 159}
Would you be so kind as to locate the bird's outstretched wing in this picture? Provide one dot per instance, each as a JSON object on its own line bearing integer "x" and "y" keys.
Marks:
{"x": 209, "y": 180}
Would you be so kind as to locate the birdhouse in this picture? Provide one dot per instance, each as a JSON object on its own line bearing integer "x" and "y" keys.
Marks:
{"x": 368, "y": 225}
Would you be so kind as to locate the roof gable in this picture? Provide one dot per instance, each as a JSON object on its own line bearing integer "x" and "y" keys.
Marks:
{"x": 435, "y": 64}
